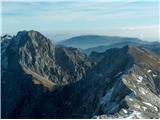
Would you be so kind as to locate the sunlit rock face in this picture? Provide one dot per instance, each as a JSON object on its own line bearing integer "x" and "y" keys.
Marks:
{"x": 32, "y": 66}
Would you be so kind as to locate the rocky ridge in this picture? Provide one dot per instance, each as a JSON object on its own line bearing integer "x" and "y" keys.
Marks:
{"x": 143, "y": 81}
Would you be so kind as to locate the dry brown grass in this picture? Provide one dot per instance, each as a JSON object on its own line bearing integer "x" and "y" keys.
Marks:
{"x": 145, "y": 56}
{"x": 40, "y": 80}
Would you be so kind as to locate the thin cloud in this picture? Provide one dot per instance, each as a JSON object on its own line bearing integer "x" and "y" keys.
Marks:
{"x": 62, "y": 15}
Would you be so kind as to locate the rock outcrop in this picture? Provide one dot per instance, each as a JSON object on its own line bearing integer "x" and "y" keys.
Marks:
{"x": 143, "y": 80}
{"x": 32, "y": 64}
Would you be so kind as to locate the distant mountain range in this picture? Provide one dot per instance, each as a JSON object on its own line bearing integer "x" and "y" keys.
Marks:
{"x": 42, "y": 80}
{"x": 89, "y": 41}
{"x": 97, "y": 43}
{"x": 154, "y": 46}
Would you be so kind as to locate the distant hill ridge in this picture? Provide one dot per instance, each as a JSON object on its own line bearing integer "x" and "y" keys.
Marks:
{"x": 88, "y": 41}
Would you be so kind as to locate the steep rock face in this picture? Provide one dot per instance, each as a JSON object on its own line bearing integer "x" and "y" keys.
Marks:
{"x": 73, "y": 62}
{"x": 17, "y": 88}
{"x": 114, "y": 63}
{"x": 38, "y": 54}
{"x": 31, "y": 67}
{"x": 5, "y": 40}
{"x": 36, "y": 57}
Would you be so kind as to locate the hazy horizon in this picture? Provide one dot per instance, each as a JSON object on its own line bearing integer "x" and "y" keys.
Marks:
{"x": 67, "y": 18}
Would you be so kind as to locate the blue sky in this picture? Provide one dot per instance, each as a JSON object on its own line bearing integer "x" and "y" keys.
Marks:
{"x": 59, "y": 19}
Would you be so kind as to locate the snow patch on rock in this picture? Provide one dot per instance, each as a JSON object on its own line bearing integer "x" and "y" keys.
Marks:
{"x": 144, "y": 108}
{"x": 154, "y": 75}
{"x": 118, "y": 74}
{"x": 142, "y": 90}
{"x": 136, "y": 106}
{"x": 149, "y": 71}
{"x": 107, "y": 97}
{"x": 125, "y": 111}
{"x": 139, "y": 78}
{"x": 135, "y": 114}
{"x": 149, "y": 104}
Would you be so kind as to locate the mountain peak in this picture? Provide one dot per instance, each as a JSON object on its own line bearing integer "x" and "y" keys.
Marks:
{"x": 6, "y": 37}
{"x": 37, "y": 56}
{"x": 34, "y": 35}
{"x": 30, "y": 31}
